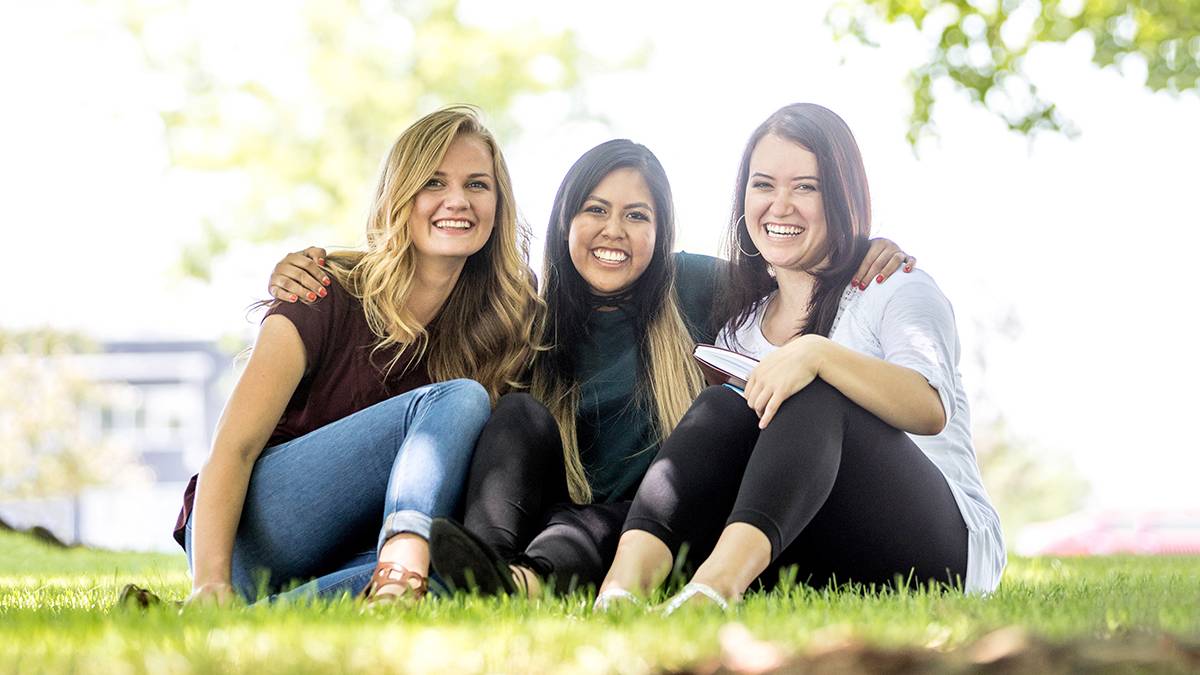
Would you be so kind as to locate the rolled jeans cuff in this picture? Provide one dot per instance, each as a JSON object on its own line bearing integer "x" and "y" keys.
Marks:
{"x": 399, "y": 522}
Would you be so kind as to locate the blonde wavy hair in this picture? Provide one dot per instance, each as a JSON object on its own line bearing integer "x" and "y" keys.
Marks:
{"x": 484, "y": 331}
{"x": 668, "y": 379}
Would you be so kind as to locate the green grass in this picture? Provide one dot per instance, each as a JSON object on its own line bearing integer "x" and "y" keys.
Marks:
{"x": 57, "y": 615}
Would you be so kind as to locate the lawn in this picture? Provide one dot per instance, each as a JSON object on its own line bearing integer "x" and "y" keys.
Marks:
{"x": 57, "y": 614}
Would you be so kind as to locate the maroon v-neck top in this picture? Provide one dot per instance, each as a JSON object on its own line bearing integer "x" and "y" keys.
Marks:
{"x": 342, "y": 374}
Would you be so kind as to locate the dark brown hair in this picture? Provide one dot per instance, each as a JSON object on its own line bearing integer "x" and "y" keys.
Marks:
{"x": 847, "y": 202}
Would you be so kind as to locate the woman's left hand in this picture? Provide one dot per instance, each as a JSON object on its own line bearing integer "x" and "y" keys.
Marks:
{"x": 218, "y": 594}
{"x": 782, "y": 373}
{"x": 882, "y": 259}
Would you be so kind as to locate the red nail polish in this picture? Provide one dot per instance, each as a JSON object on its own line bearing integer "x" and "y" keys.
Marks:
{"x": 322, "y": 292}
{"x": 862, "y": 287}
{"x": 320, "y": 261}
{"x": 292, "y": 298}
{"x": 325, "y": 281}
{"x": 312, "y": 296}
{"x": 908, "y": 269}
{"x": 879, "y": 279}
{"x": 854, "y": 282}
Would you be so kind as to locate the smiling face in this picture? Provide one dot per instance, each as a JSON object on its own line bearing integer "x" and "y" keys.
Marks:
{"x": 612, "y": 237}
{"x": 785, "y": 215}
{"x": 453, "y": 215}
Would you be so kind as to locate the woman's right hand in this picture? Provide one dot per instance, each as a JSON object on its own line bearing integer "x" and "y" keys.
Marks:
{"x": 218, "y": 593}
{"x": 299, "y": 277}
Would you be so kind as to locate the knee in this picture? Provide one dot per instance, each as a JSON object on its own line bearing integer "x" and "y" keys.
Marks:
{"x": 516, "y": 402}
{"x": 818, "y": 398}
{"x": 465, "y": 399}
{"x": 521, "y": 411}
{"x": 719, "y": 397}
{"x": 720, "y": 403}
{"x": 520, "y": 405}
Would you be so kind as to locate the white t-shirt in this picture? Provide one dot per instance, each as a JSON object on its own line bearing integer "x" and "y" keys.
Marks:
{"x": 907, "y": 321}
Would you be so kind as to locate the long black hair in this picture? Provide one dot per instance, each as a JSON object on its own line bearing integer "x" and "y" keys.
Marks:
{"x": 569, "y": 298}
{"x": 667, "y": 379}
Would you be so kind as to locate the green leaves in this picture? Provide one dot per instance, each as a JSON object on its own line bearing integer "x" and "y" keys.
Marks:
{"x": 980, "y": 46}
{"x": 281, "y": 127}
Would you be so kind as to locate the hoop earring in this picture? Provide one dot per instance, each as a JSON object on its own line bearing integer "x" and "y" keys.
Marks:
{"x": 741, "y": 219}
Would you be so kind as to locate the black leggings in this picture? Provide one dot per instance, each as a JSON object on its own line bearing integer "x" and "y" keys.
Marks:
{"x": 839, "y": 493}
{"x": 517, "y": 500}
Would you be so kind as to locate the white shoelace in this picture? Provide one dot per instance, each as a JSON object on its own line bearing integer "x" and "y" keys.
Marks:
{"x": 692, "y": 589}
{"x": 612, "y": 597}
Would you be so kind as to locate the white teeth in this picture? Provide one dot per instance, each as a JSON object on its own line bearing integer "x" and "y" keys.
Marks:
{"x": 609, "y": 255}
{"x": 452, "y": 224}
{"x": 785, "y": 230}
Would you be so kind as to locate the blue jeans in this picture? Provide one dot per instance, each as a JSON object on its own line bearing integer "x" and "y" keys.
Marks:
{"x": 321, "y": 506}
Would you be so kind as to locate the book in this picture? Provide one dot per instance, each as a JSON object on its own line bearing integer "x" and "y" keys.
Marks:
{"x": 721, "y": 366}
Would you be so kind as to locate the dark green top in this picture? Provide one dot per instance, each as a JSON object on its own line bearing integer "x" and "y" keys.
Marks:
{"x": 616, "y": 436}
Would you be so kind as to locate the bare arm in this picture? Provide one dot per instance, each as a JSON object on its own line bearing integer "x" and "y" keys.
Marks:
{"x": 900, "y": 396}
{"x": 258, "y": 400}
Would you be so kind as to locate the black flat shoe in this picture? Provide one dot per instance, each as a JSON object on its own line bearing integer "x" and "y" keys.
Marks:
{"x": 465, "y": 563}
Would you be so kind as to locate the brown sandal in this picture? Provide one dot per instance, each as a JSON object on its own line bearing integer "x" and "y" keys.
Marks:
{"x": 414, "y": 585}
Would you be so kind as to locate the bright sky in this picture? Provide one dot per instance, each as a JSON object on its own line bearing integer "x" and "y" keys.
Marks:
{"x": 1090, "y": 242}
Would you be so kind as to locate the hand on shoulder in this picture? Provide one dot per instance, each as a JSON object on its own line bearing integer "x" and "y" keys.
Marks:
{"x": 882, "y": 260}
{"x": 300, "y": 277}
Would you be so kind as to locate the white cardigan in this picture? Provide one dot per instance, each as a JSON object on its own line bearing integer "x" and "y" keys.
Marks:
{"x": 907, "y": 321}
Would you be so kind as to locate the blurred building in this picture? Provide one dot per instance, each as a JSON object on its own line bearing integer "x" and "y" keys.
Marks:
{"x": 162, "y": 400}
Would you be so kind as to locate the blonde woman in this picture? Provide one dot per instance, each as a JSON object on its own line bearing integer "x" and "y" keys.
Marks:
{"x": 353, "y": 424}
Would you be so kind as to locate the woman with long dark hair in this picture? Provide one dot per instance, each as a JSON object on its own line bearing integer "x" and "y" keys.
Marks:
{"x": 848, "y": 454}
{"x": 554, "y": 469}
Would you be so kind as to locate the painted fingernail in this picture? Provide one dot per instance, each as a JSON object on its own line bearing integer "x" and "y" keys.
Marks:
{"x": 908, "y": 268}
{"x": 326, "y": 281}
{"x": 322, "y": 292}
{"x": 854, "y": 282}
{"x": 312, "y": 296}
{"x": 879, "y": 279}
{"x": 320, "y": 261}
{"x": 292, "y": 298}
{"x": 862, "y": 286}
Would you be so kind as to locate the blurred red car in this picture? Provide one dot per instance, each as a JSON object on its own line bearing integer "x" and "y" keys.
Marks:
{"x": 1111, "y": 532}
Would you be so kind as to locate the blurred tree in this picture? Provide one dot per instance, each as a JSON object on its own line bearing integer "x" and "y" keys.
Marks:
{"x": 294, "y": 114}
{"x": 1027, "y": 483}
{"x": 51, "y": 444}
{"x": 981, "y": 45}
